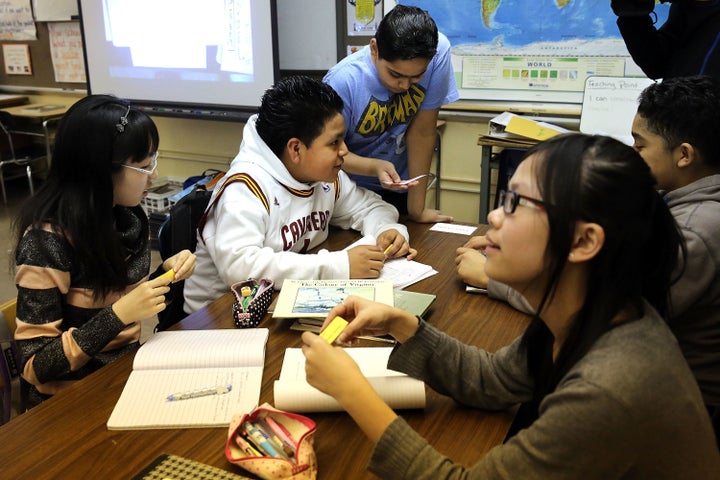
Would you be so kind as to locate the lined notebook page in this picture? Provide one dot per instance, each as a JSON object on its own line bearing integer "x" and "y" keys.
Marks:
{"x": 144, "y": 405}
{"x": 202, "y": 349}
{"x": 180, "y": 361}
{"x": 293, "y": 393}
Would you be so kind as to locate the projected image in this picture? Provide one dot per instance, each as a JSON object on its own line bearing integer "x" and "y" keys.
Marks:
{"x": 209, "y": 58}
{"x": 180, "y": 38}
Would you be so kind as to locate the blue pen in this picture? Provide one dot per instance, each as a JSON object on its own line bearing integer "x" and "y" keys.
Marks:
{"x": 261, "y": 441}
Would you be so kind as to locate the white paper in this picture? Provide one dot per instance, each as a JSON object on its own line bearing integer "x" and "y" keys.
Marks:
{"x": 454, "y": 228}
{"x": 293, "y": 393}
{"x": 401, "y": 271}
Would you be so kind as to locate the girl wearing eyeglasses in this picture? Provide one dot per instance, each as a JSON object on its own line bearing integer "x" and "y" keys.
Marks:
{"x": 82, "y": 256}
{"x": 604, "y": 388}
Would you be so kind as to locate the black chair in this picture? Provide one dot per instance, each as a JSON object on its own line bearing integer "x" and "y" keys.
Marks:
{"x": 17, "y": 162}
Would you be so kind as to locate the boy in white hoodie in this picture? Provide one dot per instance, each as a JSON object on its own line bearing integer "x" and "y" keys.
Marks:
{"x": 288, "y": 189}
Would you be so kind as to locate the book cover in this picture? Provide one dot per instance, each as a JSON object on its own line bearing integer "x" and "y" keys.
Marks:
{"x": 315, "y": 298}
{"x": 173, "y": 363}
{"x": 293, "y": 393}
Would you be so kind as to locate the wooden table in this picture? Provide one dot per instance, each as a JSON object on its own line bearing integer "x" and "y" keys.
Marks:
{"x": 66, "y": 436}
{"x": 38, "y": 111}
{"x": 10, "y": 100}
{"x": 38, "y": 120}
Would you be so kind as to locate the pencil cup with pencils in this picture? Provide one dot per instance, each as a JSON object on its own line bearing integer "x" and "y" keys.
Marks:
{"x": 252, "y": 299}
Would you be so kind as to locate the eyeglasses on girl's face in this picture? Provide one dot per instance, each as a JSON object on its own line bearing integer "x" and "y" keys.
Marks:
{"x": 509, "y": 201}
{"x": 150, "y": 169}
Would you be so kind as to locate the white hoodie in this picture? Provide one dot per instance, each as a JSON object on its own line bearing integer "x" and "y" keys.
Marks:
{"x": 262, "y": 225}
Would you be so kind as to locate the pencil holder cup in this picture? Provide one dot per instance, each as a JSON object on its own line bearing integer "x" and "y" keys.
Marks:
{"x": 252, "y": 299}
{"x": 273, "y": 444}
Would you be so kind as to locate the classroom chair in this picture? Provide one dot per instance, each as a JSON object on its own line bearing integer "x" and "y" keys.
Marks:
{"x": 17, "y": 162}
{"x": 9, "y": 355}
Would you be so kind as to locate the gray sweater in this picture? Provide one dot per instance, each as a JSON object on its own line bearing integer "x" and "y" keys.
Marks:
{"x": 630, "y": 408}
{"x": 695, "y": 317}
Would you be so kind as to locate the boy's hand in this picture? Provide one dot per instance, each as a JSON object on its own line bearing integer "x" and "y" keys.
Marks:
{"x": 429, "y": 215}
{"x": 394, "y": 245}
{"x": 388, "y": 176}
{"x": 366, "y": 261}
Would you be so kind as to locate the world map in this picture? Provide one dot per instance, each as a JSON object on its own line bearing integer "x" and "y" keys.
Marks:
{"x": 530, "y": 27}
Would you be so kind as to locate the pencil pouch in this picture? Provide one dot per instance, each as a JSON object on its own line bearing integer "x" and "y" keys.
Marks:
{"x": 273, "y": 444}
{"x": 252, "y": 299}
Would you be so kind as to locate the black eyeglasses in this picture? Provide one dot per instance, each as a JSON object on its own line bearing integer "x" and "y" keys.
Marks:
{"x": 509, "y": 201}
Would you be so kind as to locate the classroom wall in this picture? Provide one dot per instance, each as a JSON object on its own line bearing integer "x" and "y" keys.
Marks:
{"x": 188, "y": 147}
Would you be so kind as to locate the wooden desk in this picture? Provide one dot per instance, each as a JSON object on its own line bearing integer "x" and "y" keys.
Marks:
{"x": 9, "y": 100}
{"x": 66, "y": 436}
{"x": 38, "y": 111}
{"x": 34, "y": 120}
{"x": 486, "y": 163}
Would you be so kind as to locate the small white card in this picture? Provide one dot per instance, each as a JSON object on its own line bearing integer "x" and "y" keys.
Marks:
{"x": 454, "y": 228}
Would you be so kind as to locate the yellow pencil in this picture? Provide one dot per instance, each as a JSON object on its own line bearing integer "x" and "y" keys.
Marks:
{"x": 387, "y": 249}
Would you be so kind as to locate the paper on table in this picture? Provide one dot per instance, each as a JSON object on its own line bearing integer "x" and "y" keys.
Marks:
{"x": 401, "y": 271}
{"x": 454, "y": 228}
{"x": 293, "y": 393}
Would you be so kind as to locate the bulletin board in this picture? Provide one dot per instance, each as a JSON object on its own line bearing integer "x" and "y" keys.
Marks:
{"x": 43, "y": 74}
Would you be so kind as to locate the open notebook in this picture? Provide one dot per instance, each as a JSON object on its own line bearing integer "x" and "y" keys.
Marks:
{"x": 175, "y": 362}
{"x": 293, "y": 393}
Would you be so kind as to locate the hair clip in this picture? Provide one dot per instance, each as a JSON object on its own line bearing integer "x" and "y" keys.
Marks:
{"x": 123, "y": 121}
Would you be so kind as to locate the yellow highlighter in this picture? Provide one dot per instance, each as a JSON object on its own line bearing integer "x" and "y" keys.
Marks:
{"x": 331, "y": 332}
{"x": 169, "y": 274}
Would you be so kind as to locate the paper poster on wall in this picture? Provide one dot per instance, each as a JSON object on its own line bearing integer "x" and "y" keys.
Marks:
{"x": 16, "y": 20}
{"x": 66, "y": 51}
{"x": 17, "y": 59}
{"x": 363, "y": 17}
{"x": 54, "y": 10}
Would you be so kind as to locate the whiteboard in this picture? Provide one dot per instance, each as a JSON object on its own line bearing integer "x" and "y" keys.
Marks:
{"x": 307, "y": 34}
{"x": 54, "y": 10}
{"x": 609, "y": 105}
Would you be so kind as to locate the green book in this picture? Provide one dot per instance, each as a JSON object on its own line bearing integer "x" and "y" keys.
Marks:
{"x": 413, "y": 302}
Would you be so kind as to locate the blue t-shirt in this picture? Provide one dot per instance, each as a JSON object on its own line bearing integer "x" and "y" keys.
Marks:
{"x": 377, "y": 119}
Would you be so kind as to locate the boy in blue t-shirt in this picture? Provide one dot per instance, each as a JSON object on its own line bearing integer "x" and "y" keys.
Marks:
{"x": 393, "y": 90}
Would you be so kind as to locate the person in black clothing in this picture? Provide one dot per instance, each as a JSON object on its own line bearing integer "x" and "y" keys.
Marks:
{"x": 688, "y": 43}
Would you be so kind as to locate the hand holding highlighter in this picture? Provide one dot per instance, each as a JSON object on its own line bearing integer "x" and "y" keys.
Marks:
{"x": 169, "y": 274}
{"x": 331, "y": 332}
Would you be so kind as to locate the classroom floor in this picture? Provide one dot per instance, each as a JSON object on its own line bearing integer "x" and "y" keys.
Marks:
{"x": 17, "y": 192}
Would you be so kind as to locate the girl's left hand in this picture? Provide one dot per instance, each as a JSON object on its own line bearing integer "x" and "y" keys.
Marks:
{"x": 183, "y": 263}
{"x": 330, "y": 369}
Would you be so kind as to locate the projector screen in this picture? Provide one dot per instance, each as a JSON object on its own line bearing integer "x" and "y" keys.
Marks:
{"x": 211, "y": 58}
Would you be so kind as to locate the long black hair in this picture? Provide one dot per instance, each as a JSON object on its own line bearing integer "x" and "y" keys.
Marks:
{"x": 76, "y": 199}
{"x": 598, "y": 179}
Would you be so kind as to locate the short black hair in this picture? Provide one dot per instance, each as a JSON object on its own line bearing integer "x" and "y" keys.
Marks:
{"x": 685, "y": 109}
{"x": 296, "y": 106}
{"x": 405, "y": 33}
